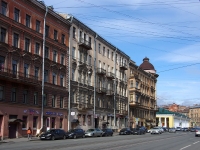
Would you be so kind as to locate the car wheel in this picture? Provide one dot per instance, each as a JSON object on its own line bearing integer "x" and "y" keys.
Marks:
{"x": 93, "y": 135}
{"x": 74, "y": 136}
{"x": 53, "y": 138}
{"x": 83, "y": 136}
{"x": 64, "y": 137}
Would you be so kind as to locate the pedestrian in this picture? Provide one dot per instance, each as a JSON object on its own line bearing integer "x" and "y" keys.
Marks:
{"x": 29, "y": 133}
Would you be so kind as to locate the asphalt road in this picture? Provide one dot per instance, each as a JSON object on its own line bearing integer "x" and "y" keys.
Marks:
{"x": 165, "y": 141}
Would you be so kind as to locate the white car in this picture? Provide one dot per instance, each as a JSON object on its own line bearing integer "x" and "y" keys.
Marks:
{"x": 155, "y": 130}
{"x": 197, "y": 132}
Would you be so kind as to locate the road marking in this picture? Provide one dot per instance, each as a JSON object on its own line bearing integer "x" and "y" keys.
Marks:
{"x": 185, "y": 147}
{"x": 196, "y": 142}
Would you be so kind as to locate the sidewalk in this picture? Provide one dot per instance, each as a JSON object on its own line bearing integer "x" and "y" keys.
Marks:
{"x": 16, "y": 140}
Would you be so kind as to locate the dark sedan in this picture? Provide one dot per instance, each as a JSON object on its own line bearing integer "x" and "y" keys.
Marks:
{"x": 54, "y": 134}
{"x": 107, "y": 132}
{"x": 138, "y": 131}
{"x": 193, "y": 130}
{"x": 125, "y": 131}
{"x": 76, "y": 133}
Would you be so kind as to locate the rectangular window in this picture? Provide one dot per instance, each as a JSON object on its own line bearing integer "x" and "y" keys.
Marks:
{"x": 14, "y": 67}
{"x": 4, "y": 8}
{"x": 53, "y": 101}
{"x": 61, "y": 123}
{"x": 54, "y": 77}
{"x": 55, "y": 56}
{"x": 80, "y": 34}
{"x": 35, "y": 121}
{"x": 62, "y": 59}
{"x": 104, "y": 51}
{"x": 24, "y": 123}
{"x": 2, "y": 61}
{"x": 46, "y": 30}
{"x": 53, "y": 120}
{"x": 73, "y": 74}
{"x": 16, "y": 16}
{"x": 73, "y": 52}
{"x": 83, "y": 119}
{"x": 55, "y": 35}
{"x": 35, "y": 98}
{"x": 63, "y": 39}
{"x": 89, "y": 120}
{"x": 1, "y": 93}
{"x": 61, "y": 80}
{"x": 46, "y": 76}
{"x": 90, "y": 60}
{"x": 84, "y": 37}
{"x": 28, "y": 21}
{"x": 74, "y": 32}
{"x": 3, "y": 35}
{"x": 16, "y": 40}
{"x": 46, "y": 52}
{"x": 108, "y": 53}
{"x": 37, "y": 48}
{"x": 25, "y": 96}
{"x": 45, "y": 100}
{"x": 99, "y": 48}
{"x": 112, "y": 56}
{"x": 90, "y": 40}
{"x": 27, "y": 44}
{"x": 26, "y": 70}
{"x": 61, "y": 102}
{"x": 36, "y": 74}
{"x": 14, "y": 94}
{"x": 37, "y": 26}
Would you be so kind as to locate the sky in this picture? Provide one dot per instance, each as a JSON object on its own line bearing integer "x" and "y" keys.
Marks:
{"x": 167, "y": 32}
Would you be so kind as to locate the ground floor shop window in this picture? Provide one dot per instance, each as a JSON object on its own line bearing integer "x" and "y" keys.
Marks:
{"x": 24, "y": 124}
{"x": 35, "y": 120}
{"x": 61, "y": 123}
{"x": 53, "y": 122}
{"x": 83, "y": 119}
{"x": 89, "y": 120}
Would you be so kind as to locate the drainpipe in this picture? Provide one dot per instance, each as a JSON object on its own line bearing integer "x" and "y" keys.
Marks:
{"x": 115, "y": 90}
{"x": 95, "y": 77}
{"x": 69, "y": 70}
{"x": 127, "y": 76}
{"x": 43, "y": 55}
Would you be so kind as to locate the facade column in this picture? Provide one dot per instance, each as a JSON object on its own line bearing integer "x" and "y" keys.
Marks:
{"x": 165, "y": 122}
{"x": 160, "y": 121}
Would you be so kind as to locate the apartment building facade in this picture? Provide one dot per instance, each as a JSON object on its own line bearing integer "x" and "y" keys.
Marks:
{"x": 96, "y": 67}
{"x": 194, "y": 115}
{"x": 21, "y": 61}
{"x": 142, "y": 94}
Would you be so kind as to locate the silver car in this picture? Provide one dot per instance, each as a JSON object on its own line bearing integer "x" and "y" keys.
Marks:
{"x": 155, "y": 130}
{"x": 94, "y": 132}
{"x": 197, "y": 132}
{"x": 172, "y": 130}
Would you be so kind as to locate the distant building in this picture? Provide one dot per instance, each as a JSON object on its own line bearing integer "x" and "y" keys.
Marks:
{"x": 166, "y": 118}
{"x": 194, "y": 114}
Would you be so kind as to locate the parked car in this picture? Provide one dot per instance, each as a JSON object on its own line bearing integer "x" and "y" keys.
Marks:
{"x": 125, "y": 131}
{"x": 155, "y": 130}
{"x": 172, "y": 130}
{"x": 137, "y": 131}
{"x": 94, "y": 132}
{"x": 144, "y": 129}
{"x": 197, "y": 132}
{"x": 185, "y": 129}
{"x": 54, "y": 134}
{"x": 192, "y": 129}
{"x": 76, "y": 133}
{"x": 107, "y": 132}
{"x": 178, "y": 129}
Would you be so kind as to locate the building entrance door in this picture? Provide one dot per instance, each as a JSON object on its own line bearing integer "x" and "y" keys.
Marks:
{"x": 12, "y": 130}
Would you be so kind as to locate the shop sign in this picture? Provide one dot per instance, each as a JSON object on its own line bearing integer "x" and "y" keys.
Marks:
{"x": 31, "y": 111}
{"x": 54, "y": 113}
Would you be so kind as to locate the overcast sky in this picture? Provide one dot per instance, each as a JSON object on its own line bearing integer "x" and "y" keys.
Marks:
{"x": 167, "y": 32}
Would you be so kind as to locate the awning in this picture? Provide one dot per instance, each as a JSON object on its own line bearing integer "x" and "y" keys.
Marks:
{"x": 105, "y": 123}
{"x": 75, "y": 121}
{"x": 15, "y": 120}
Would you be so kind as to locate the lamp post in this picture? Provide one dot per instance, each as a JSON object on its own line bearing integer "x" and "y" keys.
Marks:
{"x": 43, "y": 55}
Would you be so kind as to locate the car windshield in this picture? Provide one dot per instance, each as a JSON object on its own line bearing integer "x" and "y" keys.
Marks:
{"x": 155, "y": 128}
{"x": 50, "y": 131}
{"x": 90, "y": 130}
{"x": 124, "y": 129}
{"x": 72, "y": 130}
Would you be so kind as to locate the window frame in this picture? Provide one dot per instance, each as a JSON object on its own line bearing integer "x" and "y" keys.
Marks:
{"x": 28, "y": 21}
{"x": 3, "y": 34}
{"x": 16, "y": 15}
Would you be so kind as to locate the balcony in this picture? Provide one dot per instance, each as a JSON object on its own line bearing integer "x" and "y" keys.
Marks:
{"x": 123, "y": 81}
{"x": 101, "y": 90}
{"x": 74, "y": 105}
{"x": 110, "y": 75}
{"x": 84, "y": 43}
{"x": 123, "y": 112}
{"x": 18, "y": 76}
{"x": 123, "y": 66}
{"x": 134, "y": 89}
{"x": 109, "y": 92}
{"x": 101, "y": 71}
{"x": 134, "y": 103}
{"x": 82, "y": 63}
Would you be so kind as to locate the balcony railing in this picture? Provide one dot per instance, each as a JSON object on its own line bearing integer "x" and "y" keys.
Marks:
{"x": 109, "y": 92}
{"x": 101, "y": 71}
{"x": 110, "y": 75}
{"x": 123, "y": 66}
{"x": 86, "y": 44}
{"x": 101, "y": 90}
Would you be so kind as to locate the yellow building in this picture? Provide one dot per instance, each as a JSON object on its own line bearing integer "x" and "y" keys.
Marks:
{"x": 165, "y": 118}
